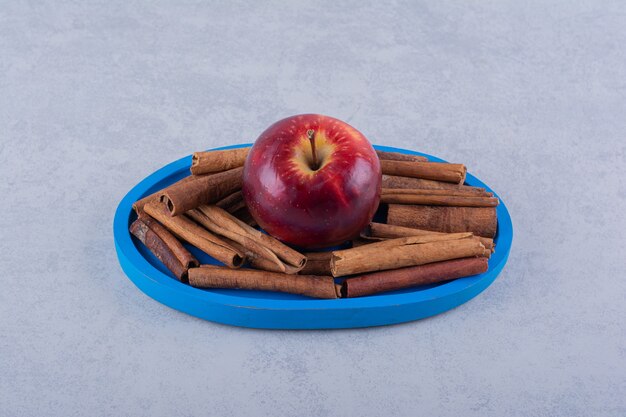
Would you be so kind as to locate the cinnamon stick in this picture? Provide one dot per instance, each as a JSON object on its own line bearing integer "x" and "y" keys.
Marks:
{"x": 283, "y": 251}
{"x": 439, "y": 200}
{"x": 457, "y": 191}
{"x": 425, "y": 238}
{"x": 438, "y": 171}
{"x": 252, "y": 258}
{"x": 430, "y": 237}
{"x": 379, "y": 231}
{"x": 187, "y": 230}
{"x": 356, "y": 242}
{"x": 281, "y": 257}
{"x": 169, "y": 250}
{"x": 402, "y": 252}
{"x": 396, "y": 182}
{"x": 210, "y": 276}
{"x": 250, "y": 248}
{"x": 396, "y": 279}
{"x": 317, "y": 263}
{"x": 180, "y": 252}
{"x": 238, "y": 206}
{"x": 138, "y": 205}
{"x": 482, "y": 221}
{"x": 417, "y": 239}
{"x": 218, "y": 161}
{"x": 200, "y": 189}
{"x": 244, "y": 215}
{"x": 397, "y": 156}
{"x": 233, "y": 202}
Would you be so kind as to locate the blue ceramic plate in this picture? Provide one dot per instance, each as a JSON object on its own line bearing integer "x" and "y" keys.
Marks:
{"x": 271, "y": 310}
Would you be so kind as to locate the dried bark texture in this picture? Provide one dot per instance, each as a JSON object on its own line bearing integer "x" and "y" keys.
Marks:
{"x": 187, "y": 230}
{"x": 457, "y": 191}
{"x": 398, "y": 182}
{"x": 244, "y": 215}
{"x": 164, "y": 246}
{"x": 232, "y": 202}
{"x": 378, "y": 231}
{"x": 280, "y": 257}
{"x": 438, "y": 200}
{"x": 209, "y": 276}
{"x": 317, "y": 263}
{"x": 482, "y": 221}
{"x": 437, "y": 171}
{"x": 201, "y": 189}
{"x": 403, "y": 252}
{"x": 413, "y": 276}
{"x": 139, "y": 204}
{"x": 218, "y": 161}
{"x": 397, "y": 156}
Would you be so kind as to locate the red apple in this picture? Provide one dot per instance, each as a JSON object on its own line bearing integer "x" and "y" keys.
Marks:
{"x": 312, "y": 181}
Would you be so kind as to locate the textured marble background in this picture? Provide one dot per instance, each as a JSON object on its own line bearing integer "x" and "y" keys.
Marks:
{"x": 530, "y": 95}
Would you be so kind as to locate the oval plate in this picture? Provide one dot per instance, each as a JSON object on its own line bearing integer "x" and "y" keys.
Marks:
{"x": 271, "y": 310}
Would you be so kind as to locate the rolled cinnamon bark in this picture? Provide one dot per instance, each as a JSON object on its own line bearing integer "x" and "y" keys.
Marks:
{"x": 233, "y": 202}
{"x": 396, "y": 156}
{"x": 357, "y": 242}
{"x": 413, "y": 276}
{"x": 396, "y": 182}
{"x": 438, "y": 171}
{"x": 283, "y": 258}
{"x": 317, "y": 263}
{"x": 402, "y": 252}
{"x": 417, "y": 239}
{"x": 378, "y": 231}
{"x": 201, "y": 189}
{"x": 168, "y": 250}
{"x": 218, "y": 161}
{"x": 240, "y": 205}
{"x": 138, "y": 205}
{"x": 457, "y": 192}
{"x": 182, "y": 254}
{"x": 432, "y": 237}
{"x": 251, "y": 249}
{"x": 439, "y": 200}
{"x": 187, "y": 230}
{"x": 283, "y": 251}
{"x": 253, "y": 258}
{"x": 244, "y": 215}
{"x": 210, "y": 276}
{"x": 482, "y": 221}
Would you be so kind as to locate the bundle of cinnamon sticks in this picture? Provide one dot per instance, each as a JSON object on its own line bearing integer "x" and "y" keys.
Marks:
{"x": 436, "y": 230}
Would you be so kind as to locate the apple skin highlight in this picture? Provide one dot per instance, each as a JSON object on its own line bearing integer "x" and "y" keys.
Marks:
{"x": 312, "y": 203}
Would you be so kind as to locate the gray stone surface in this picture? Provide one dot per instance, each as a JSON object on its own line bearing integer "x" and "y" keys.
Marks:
{"x": 530, "y": 95}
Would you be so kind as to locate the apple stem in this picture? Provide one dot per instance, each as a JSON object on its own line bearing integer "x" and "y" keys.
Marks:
{"x": 311, "y": 134}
